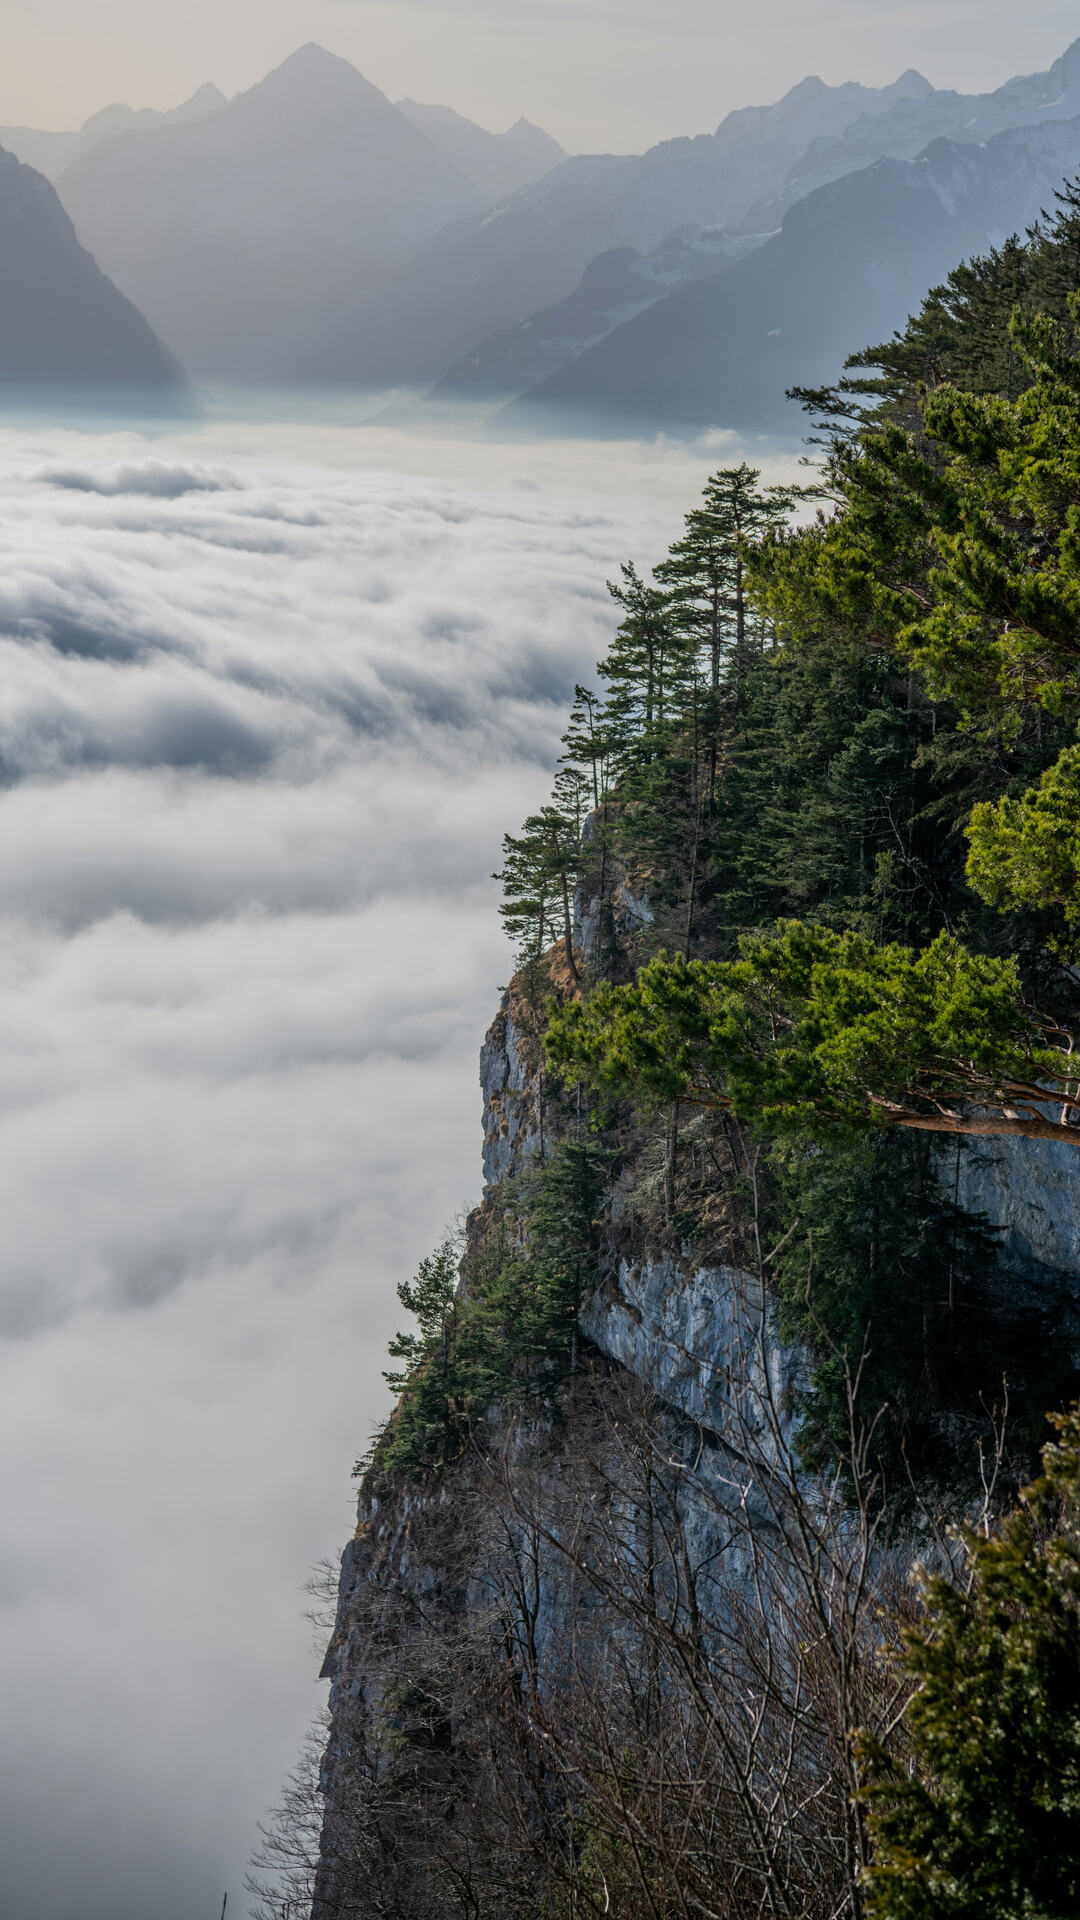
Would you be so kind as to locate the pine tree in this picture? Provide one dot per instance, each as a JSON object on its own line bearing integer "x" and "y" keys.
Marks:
{"x": 541, "y": 868}
{"x": 705, "y": 572}
{"x": 645, "y": 669}
{"x": 432, "y": 1297}
{"x": 983, "y": 1821}
{"x": 586, "y": 741}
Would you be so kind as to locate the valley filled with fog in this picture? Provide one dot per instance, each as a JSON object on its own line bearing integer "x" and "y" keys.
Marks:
{"x": 270, "y": 698}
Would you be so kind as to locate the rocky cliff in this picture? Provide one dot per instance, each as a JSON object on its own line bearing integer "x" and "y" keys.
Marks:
{"x": 529, "y": 1555}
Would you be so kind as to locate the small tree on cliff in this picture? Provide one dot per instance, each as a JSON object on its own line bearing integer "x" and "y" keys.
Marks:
{"x": 705, "y": 572}
{"x": 980, "y": 1819}
{"x": 541, "y": 867}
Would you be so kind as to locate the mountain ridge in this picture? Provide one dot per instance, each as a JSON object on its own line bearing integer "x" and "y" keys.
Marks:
{"x": 471, "y": 284}
{"x": 308, "y": 178}
{"x": 852, "y": 259}
{"x": 64, "y": 327}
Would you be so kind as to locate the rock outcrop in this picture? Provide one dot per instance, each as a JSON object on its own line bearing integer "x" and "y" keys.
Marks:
{"x": 482, "y": 1568}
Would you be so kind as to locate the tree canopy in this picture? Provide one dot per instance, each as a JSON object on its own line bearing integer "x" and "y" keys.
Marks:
{"x": 816, "y": 1027}
{"x": 980, "y": 1818}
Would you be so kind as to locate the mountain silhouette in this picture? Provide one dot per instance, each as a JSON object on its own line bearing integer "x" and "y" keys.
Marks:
{"x": 230, "y": 231}
{"x": 64, "y": 327}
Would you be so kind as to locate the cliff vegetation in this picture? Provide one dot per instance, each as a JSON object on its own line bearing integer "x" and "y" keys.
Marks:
{"x": 697, "y": 1573}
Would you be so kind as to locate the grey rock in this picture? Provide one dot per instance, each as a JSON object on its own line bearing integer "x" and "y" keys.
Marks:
{"x": 511, "y": 1095}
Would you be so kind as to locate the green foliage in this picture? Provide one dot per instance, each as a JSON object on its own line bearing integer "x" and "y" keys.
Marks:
{"x": 540, "y": 869}
{"x": 1025, "y": 851}
{"x": 884, "y": 1275}
{"x": 705, "y": 571}
{"x": 983, "y": 1821}
{"x": 648, "y": 669}
{"x": 957, "y": 543}
{"x": 815, "y": 1028}
{"x": 508, "y": 1328}
{"x": 432, "y": 1298}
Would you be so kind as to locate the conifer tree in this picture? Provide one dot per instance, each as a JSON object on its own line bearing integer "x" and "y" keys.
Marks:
{"x": 705, "y": 572}
{"x": 541, "y": 867}
{"x": 431, "y": 1297}
{"x": 586, "y": 741}
{"x": 645, "y": 670}
{"x": 983, "y": 1821}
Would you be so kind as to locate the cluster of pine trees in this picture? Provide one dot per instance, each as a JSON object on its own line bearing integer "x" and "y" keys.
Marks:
{"x": 799, "y": 925}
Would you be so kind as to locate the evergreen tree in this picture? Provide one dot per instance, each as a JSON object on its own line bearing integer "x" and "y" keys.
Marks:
{"x": 817, "y": 1031}
{"x": 645, "y": 669}
{"x": 586, "y": 742}
{"x": 432, "y": 1297}
{"x": 705, "y": 572}
{"x": 541, "y": 867}
{"x": 982, "y": 1821}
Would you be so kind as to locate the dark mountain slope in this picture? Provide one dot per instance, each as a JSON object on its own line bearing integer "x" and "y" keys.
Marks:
{"x": 614, "y": 288}
{"x": 64, "y": 328}
{"x": 851, "y": 261}
{"x": 229, "y": 233}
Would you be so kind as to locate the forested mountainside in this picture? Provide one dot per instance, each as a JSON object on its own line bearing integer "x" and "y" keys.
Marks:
{"x": 653, "y": 1605}
{"x": 65, "y": 330}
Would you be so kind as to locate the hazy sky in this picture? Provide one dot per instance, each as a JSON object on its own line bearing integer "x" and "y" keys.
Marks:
{"x": 598, "y": 73}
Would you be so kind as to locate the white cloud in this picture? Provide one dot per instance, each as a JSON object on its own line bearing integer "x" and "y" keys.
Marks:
{"x": 259, "y": 739}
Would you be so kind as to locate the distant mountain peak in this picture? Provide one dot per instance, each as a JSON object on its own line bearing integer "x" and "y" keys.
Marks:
{"x": 312, "y": 58}
{"x": 116, "y": 119}
{"x": 208, "y": 96}
{"x": 312, "y": 78}
{"x": 912, "y": 85}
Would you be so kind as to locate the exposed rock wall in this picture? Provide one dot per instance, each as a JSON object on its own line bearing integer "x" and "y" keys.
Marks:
{"x": 1030, "y": 1191}
{"x": 430, "y": 1569}
{"x": 512, "y": 1095}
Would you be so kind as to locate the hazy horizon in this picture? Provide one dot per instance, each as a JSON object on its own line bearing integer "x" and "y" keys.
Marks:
{"x": 495, "y": 61}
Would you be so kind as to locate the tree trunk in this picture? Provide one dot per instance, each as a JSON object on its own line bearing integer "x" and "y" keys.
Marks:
{"x": 669, "y": 1169}
{"x": 568, "y": 934}
{"x": 1033, "y": 1129}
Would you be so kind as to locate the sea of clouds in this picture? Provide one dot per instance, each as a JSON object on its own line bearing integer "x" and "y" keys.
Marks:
{"x": 267, "y": 705}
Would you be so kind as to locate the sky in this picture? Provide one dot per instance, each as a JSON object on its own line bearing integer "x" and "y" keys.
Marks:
{"x": 599, "y": 74}
{"x": 267, "y": 707}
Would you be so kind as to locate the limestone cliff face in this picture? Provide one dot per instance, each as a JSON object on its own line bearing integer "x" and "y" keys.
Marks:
{"x": 511, "y": 1096}
{"x": 1030, "y": 1191}
{"x": 431, "y": 1566}
{"x": 690, "y": 1333}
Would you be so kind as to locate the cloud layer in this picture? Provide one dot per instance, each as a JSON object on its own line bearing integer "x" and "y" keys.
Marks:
{"x": 263, "y": 721}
